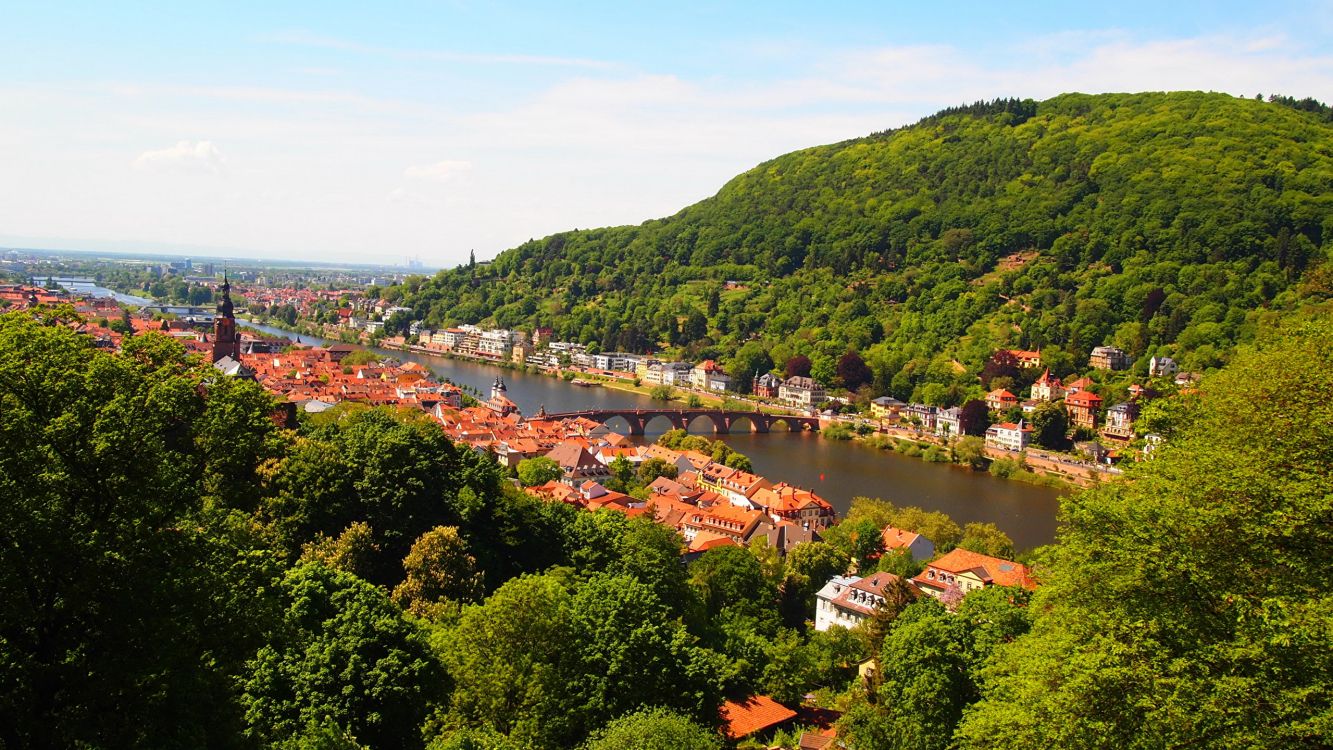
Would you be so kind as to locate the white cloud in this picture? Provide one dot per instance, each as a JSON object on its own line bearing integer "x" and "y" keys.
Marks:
{"x": 185, "y": 156}
{"x": 447, "y": 171}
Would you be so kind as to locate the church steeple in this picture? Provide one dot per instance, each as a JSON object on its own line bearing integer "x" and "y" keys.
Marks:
{"x": 224, "y": 304}
{"x": 226, "y": 338}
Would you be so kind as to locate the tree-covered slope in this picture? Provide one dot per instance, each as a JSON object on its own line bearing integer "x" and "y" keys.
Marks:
{"x": 1160, "y": 221}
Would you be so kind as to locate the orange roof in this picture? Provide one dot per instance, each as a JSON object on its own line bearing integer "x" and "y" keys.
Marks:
{"x": 895, "y": 538}
{"x": 1001, "y": 572}
{"x": 1083, "y": 398}
{"x": 755, "y": 713}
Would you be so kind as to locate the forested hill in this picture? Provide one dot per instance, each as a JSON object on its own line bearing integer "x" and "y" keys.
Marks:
{"x": 1161, "y": 222}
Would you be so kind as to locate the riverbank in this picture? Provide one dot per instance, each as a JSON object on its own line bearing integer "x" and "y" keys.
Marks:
{"x": 1032, "y": 468}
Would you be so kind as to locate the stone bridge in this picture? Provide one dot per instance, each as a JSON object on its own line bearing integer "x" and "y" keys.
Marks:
{"x": 680, "y": 419}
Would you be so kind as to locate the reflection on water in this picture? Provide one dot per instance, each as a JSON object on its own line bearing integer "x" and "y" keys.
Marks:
{"x": 836, "y": 470}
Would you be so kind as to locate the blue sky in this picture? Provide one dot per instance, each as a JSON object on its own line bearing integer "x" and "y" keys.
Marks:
{"x": 376, "y": 132}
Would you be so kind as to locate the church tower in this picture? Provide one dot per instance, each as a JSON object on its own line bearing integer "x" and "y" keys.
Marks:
{"x": 226, "y": 338}
{"x": 498, "y": 389}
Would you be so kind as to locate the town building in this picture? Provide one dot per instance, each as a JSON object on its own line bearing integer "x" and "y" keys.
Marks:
{"x": 1047, "y": 387}
{"x": 948, "y": 422}
{"x": 1119, "y": 422}
{"x": 885, "y": 407}
{"x": 1162, "y": 367}
{"x": 801, "y": 392}
{"x": 785, "y": 502}
{"x": 766, "y": 385}
{"x": 966, "y": 571}
{"x": 1026, "y": 359}
{"x": 1108, "y": 358}
{"x": 848, "y": 601}
{"x": 226, "y": 337}
{"x": 1000, "y": 400}
{"x": 733, "y": 484}
{"x": 1082, "y": 408}
{"x": 918, "y": 415}
{"x": 918, "y": 546}
{"x": 1008, "y": 436}
{"x": 709, "y": 376}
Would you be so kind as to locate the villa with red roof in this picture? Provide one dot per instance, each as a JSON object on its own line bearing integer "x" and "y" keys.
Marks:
{"x": 1083, "y": 408}
{"x": 1000, "y": 400}
{"x": 1047, "y": 387}
{"x": 968, "y": 571}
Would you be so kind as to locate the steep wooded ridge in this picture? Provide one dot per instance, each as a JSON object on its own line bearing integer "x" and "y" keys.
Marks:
{"x": 1162, "y": 222}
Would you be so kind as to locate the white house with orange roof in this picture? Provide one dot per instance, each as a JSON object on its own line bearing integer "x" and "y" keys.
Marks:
{"x": 1008, "y": 436}
{"x": 1048, "y": 387}
{"x": 709, "y": 376}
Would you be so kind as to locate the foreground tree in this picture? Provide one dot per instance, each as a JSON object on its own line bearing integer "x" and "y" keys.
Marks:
{"x": 654, "y": 729}
{"x": 345, "y": 655}
{"x": 538, "y": 470}
{"x": 130, "y": 589}
{"x": 1189, "y": 606}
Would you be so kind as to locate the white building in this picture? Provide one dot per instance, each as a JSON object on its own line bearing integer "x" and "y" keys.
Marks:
{"x": 802, "y": 393}
{"x": 1009, "y": 436}
{"x": 948, "y": 422}
{"x": 709, "y": 376}
{"x": 848, "y": 600}
{"x": 1162, "y": 367}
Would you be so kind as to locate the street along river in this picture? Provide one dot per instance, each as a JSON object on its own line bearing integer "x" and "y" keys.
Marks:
{"x": 838, "y": 471}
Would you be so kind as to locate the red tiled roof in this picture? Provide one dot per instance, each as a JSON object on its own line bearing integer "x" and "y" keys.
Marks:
{"x": 1001, "y": 572}
{"x": 755, "y": 713}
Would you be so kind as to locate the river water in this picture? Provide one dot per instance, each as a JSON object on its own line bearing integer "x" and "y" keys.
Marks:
{"x": 838, "y": 471}
{"x": 90, "y": 288}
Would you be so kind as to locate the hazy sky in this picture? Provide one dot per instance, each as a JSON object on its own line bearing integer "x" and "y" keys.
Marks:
{"x": 377, "y": 131}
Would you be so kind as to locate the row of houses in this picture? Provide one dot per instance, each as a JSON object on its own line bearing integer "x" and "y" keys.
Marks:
{"x": 847, "y": 601}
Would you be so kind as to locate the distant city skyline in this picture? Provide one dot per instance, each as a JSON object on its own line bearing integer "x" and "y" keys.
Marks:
{"x": 340, "y": 132}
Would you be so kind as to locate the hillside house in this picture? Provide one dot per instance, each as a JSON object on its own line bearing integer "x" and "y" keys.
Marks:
{"x": 848, "y": 601}
{"x": 1108, "y": 358}
{"x": 1048, "y": 387}
{"x": 968, "y": 571}
{"x": 1000, "y": 400}
{"x": 1083, "y": 408}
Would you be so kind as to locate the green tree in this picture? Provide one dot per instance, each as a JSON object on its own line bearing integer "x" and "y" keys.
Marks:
{"x": 970, "y": 451}
{"x": 439, "y": 571}
{"x": 654, "y": 729}
{"x": 731, "y": 577}
{"x": 653, "y": 468}
{"x": 353, "y": 551}
{"x": 922, "y": 685}
{"x": 538, "y": 470}
{"x": 345, "y": 653}
{"x": 1050, "y": 426}
{"x": 859, "y": 540}
{"x": 987, "y": 539}
{"x": 117, "y": 571}
{"x": 1152, "y": 627}
{"x": 808, "y": 567}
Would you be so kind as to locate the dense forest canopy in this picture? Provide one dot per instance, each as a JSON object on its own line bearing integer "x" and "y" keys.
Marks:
{"x": 1164, "y": 223}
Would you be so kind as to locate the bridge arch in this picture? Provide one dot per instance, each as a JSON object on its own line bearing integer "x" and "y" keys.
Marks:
{"x": 660, "y": 421}
{"x": 713, "y": 419}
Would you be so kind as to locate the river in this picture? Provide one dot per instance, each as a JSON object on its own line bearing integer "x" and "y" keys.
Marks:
{"x": 838, "y": 471}
{"x": 90, "y": 288}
